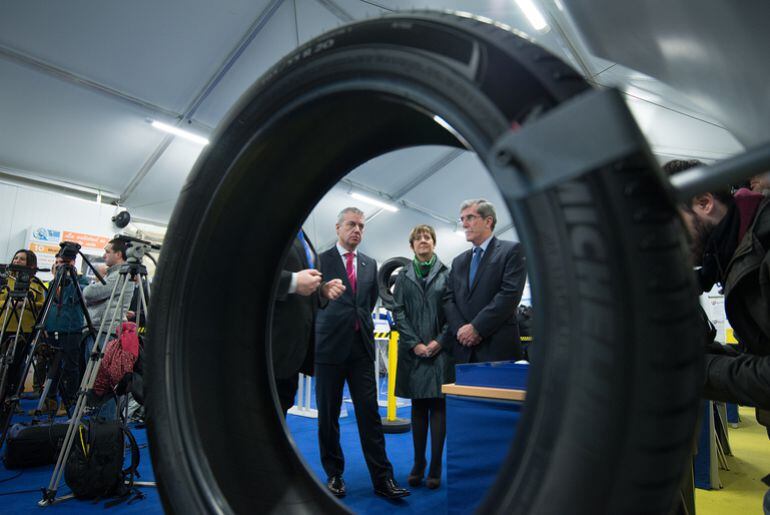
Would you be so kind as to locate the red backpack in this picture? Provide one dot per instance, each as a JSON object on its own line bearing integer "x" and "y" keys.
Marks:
{"x": 119, "y": 358}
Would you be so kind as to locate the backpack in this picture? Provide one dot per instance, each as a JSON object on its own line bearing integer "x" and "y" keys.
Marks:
{"x": 120, "y": 355}
{"x": 94, "y": 467}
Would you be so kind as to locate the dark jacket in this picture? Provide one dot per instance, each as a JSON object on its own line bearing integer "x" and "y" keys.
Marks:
{"x": 489, "y": 304}
{"x": 66, "y": 314}
{"x": 335, "y": 326}
{"x": 294, "y": 319}
{"x": 420, "y": 318}
{"x": 745, "y": 379}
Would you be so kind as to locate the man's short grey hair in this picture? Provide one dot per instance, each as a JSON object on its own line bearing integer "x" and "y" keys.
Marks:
{"x": 484, "y": 208}
{"x": 350, "y": 209}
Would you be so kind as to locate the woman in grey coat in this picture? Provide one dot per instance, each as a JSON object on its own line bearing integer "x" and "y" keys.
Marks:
{"x": 423, "y": 364}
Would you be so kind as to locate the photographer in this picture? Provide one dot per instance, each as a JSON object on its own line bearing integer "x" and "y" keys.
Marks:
{"x": 63, "y": 329}
{"x": 730, "y": 238}
{"x": 25, "y": 258}
{"x": 98, "y": 296}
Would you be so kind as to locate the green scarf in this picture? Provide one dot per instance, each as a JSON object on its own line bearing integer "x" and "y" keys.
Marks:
{"x": 422, "y": 268}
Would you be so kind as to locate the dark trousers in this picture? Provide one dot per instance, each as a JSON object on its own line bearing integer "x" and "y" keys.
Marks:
{"x": 65, "y": 369}
{"x": 15, "y": 361}
{"x": 287, "y": 391}
{"x": 358, "y": 371}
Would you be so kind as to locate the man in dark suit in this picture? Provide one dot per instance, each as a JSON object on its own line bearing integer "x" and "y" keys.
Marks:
{"x": 484, "y": 290}
{"x": 345, "y": 352}
{"x": 301, "y": 292}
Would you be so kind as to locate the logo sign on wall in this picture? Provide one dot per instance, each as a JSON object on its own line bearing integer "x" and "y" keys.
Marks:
{"x": 44, "y": 241}
{"x": 45, "y": 235}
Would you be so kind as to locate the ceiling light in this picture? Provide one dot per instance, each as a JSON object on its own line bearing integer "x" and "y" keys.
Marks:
{"x": 374, "y": 202}
{"x": 533, "y": 14}
{"x": 179, "y": 132}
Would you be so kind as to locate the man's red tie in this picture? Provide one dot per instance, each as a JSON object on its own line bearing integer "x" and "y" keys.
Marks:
{"x": 351, "y": 271}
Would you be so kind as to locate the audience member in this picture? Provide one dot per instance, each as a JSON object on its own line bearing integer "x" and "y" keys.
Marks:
{"x": 423, "y": 365}
{"x": 345, "y": 353}
{"x": 301, "y": 292}
{"x": 483, "y": 291}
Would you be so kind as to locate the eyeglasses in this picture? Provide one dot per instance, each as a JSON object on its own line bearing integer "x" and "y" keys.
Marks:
{"x": 469, "y": 218}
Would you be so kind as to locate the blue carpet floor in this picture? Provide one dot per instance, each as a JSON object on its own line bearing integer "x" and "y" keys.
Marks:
{"x": 361, "y": 497}
{"x": 21, "y": 490}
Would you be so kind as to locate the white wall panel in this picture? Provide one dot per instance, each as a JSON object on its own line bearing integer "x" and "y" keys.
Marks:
{"x": 22, "y": 207}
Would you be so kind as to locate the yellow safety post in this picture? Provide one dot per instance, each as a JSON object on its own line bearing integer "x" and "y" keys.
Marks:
{"x": 391, "y": 423}
{"x": 392, "y": 368}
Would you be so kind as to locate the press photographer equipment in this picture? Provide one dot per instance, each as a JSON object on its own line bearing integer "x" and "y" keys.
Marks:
{"x": 19, "y": 300}
{"x": 133, "y": 271}
{"x": 68, "y": 251}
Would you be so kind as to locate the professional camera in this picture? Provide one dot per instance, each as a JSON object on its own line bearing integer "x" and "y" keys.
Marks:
{"x": 136, "y": 248}
{"x": 23, "y": 276}
{"x": 69, "y": 250}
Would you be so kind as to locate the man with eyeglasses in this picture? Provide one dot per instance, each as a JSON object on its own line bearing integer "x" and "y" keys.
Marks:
{"x": 484, "y": 290}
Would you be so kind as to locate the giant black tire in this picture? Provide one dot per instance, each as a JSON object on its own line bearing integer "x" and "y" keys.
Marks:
{"x": 612, "y": 398}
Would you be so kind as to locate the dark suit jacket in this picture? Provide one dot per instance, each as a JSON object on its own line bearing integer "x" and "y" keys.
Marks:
{"x": 489, "y": 304}
{"x": 294, "y": 318}
{"x": 334, "y": 330}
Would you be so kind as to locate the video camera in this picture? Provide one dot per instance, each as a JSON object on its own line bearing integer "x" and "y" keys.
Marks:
{"x": 136, "y": 248}
{"x": 69, "y": 250}
{"x": 22, "y": 274}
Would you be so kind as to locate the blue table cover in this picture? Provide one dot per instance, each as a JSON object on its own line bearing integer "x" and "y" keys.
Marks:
{"x": 497, "y": 374}
{"x": 479, "y": 435}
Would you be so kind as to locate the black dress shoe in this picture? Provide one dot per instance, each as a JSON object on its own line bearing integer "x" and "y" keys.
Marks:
{"x": 336, "y": 486}
{"x": 389, "y": 488}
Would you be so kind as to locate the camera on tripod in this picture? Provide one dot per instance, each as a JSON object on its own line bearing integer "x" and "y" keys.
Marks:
{"x": 69, "y": 250}
{"x": 22, "y": 274}
{"x": 136, "y": 248}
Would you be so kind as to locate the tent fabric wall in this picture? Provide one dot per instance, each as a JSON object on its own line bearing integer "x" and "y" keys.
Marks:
{"x": 22, "y": 207}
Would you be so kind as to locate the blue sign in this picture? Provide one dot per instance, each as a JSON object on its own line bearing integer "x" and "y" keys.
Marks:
{"x": 44, "y": 234}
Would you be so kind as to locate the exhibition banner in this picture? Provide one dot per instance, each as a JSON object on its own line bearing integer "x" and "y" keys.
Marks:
{"x": 44, "y": 242}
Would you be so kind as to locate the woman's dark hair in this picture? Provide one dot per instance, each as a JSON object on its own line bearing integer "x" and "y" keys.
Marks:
{"x": 31, "y": 257}
{"x": 420, "y": 229}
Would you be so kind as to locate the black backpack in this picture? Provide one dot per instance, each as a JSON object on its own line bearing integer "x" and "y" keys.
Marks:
{"x": 94, "y": 468}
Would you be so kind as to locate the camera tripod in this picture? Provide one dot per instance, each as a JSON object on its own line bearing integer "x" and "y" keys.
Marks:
{"x": 128, "y": 273}
{"x": 11, "y": 401}
{"x": 18, "y": 301}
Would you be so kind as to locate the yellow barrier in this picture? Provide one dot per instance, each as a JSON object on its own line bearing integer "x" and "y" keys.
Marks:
{"x": 391, "y": 423}
{"x": 392, "y": 366}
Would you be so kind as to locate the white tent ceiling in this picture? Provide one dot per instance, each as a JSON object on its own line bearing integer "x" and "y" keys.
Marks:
{"x": 80, "y": 79}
